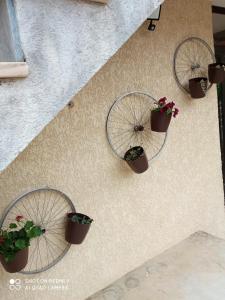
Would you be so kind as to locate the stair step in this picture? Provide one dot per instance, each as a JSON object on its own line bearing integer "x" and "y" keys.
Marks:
{"x": 191, "y": 270}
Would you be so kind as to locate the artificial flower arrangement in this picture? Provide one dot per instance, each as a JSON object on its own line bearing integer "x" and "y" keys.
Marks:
{"x": 162, "y": 114}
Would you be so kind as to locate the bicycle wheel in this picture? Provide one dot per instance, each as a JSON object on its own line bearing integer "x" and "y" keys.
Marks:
{"x": 47, "y": 208}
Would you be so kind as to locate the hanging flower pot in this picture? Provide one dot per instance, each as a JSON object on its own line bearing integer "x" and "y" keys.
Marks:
{"x": 198, "y": 87}
{"x": 137, "y": 159}
{"x": 14, "y": 243}
{"x": 18, "y": 263}
{"x": 160, "y": 121}
{"x": 216, "y": 73}
{"x": 77, "y": 227}
{"x": 162, "y": 114}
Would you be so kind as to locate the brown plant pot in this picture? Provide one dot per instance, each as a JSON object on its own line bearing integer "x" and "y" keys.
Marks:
{"x": 160, "y": 121}
{"x": 216, "y": 75}
{"x": 197, "y": 89}
{"x": 75, "y": 232}
{"x": 19, "y": 262}
{"x": 138, "y": 165}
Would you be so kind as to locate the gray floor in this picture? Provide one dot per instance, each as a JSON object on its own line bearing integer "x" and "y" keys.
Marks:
{"x": 192, "y": 270}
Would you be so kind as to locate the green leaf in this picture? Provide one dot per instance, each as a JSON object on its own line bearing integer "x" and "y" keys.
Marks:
{"x": 76, "y": 219}
{"x": 8, "y": 243}
{"x": 169, "y": 111}
{"x": 81, "y": 219}
{"x": 28, "y": 225}
{"x": 20, "y": 244}
{"x": 12, "y": 225}
{"x": 22, "y": 233}
{"x": 5, "y": 234}
{"x": 10, "y": 235}
{"x": 34, "y": 232}
{"x": 37, "y": 230}
{"x": 9, "y": 257}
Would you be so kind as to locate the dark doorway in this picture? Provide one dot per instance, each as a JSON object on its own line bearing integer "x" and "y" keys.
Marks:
{"x": 219, "y": 42}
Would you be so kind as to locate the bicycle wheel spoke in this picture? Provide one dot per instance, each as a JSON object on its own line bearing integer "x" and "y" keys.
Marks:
{"x": 133, "y": 109}
{"x": 46, "y": 208}
{"x": 191, "y": 60}
{"x": 31, "y": 258}
{"x": 50, "y": 249}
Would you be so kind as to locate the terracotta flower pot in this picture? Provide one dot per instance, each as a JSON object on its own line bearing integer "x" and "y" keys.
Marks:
{"x": 198, "y": 87}
{"x": 75, "y": 232}
{"x": 138, "y": 165}
{"x": 216, "y": 73}
{"x": 19, "y": 262}
{"x": 160, "y": 121}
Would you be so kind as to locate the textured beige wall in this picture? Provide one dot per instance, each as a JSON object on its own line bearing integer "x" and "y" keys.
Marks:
{"x": 136, "y": 216}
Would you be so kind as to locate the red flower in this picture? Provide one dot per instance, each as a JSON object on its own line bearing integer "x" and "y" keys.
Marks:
{"x": 170, "y": 105}
{"x": 19, "y": 218}
{"x": 175, "y": 113}
{"x": 168, "y": 108}
{"x": 1, "y": 240}
{"x": 162, "y": 101}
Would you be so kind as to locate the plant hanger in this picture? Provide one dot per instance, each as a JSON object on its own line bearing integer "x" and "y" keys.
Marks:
{"x": 190, "y": 65}
{"x": 128, "y": 125}
{"x": 47, "y": 208}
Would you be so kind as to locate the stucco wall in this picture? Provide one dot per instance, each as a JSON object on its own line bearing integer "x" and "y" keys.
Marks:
{"x": 136, "y": 216}
{"x": 65, "y": 43}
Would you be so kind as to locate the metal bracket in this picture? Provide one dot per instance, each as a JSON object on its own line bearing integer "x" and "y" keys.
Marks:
{"x": 151, "y": 26}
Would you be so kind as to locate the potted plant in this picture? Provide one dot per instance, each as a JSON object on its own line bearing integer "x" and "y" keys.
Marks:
{"x": 14, "y": 243}
{"x": 136, "y": 159}
{"x": 77, "y": 227}
{"x": 216, "y": 73}
{"x": 162, "y": 114}
{"x": 198, "y": 87}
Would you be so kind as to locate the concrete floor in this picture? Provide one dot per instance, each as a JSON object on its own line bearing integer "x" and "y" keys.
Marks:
{"x": 192, "y": 270}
